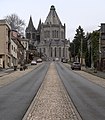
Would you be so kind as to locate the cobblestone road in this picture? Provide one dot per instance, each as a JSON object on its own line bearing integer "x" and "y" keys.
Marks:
{"x": 52, "y": 101}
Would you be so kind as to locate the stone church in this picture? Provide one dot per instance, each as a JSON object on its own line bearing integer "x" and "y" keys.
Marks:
{"x": 50, "y": 37}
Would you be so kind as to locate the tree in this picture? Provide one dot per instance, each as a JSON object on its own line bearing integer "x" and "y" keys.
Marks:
{"x": 16, "y": 23}
{"x": 95, "y": 45}
{"x": 93, "y": 50}
{"x": 80, "y": 36}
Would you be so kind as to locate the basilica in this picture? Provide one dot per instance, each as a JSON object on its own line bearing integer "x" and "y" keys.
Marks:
{"x": 49, "y": 38}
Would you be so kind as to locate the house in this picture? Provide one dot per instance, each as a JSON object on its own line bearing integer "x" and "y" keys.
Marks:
{"x": 13, "y": 50}
{"x": 5, "y": 41}
{"x": 25, "y": 43}
{"x": 15, "y": 36}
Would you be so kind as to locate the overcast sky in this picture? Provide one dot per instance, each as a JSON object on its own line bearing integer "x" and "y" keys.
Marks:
{"x": 86, "y": 13}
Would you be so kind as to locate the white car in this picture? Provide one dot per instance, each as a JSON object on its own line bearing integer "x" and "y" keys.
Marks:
{"x": 33, "y": 62}
{"x": 56, "y": 59}
{"x": 39, "y": 60}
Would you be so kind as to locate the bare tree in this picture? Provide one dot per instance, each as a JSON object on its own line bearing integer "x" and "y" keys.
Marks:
{"x": 16, "y": 23}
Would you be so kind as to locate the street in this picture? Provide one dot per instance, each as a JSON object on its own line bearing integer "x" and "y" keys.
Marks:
{"x": 16, "y": 97}
{"x": 63, "y": 94}
{"x": 88, "y": 97}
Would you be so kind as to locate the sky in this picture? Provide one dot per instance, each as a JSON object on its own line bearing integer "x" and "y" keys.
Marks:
{"x": 89, "y": 14}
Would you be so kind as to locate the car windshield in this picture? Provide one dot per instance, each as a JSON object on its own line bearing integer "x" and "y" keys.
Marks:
{"x": 76, "y": 63}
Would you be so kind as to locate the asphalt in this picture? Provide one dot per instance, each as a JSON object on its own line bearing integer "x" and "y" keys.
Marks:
{"x": 89, "y": 70}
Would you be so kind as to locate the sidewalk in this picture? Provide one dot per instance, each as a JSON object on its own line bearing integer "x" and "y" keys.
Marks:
{"x": 89, "y": 70}
{"x": 98, "y": 73}
{"x": 52, "y": 101}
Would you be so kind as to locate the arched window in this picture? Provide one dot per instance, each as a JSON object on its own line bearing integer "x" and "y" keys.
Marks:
{"x": 63, "y": 52}
{"x": 51, "y": 52}
{"x": 62, "y": 34}
{"x": 40, "y": 51}
{"x": 44, "y": 50}
{"x": 54, "y": 33}
{"x": 55, "y": 52}
{"x": 28, "y": 35}
{"x": 33, "y": 35}
{"x": 57, "y": 34}
{"x": 60, "y": 52}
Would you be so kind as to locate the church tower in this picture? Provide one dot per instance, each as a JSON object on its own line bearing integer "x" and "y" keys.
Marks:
{"x": 53, "y": 43}
{"x": 50, "y": 36}
{"x": 31, "y": 33}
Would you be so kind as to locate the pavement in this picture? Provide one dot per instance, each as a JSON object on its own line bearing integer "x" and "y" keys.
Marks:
{"x": 97, "y": 77}
{"x": 97, "y": 73}
{"x": 94, "y": 72}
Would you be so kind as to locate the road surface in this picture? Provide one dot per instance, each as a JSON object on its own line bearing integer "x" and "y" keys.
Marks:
{"x": 16, "y": 97}
{"x": 89, "y": 98}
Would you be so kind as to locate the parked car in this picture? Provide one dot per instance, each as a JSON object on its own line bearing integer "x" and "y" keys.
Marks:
{"x": 39, "y": 60}
{"x": 64, "y": 60}
{"x": 56, "y": 59}
{"x": 76, "y": 65}
{"x": 33, "y": 62}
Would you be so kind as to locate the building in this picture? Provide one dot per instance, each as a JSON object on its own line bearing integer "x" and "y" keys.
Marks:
{"x": 13, "y": 50}
{"x": 31, "y": 34}
{"x": 20, "y": 48}
{"x": 50, "y": 37}
{"x": 25, "y": 43}
{"x": 102, "y": 47}
{"x": 5, "y": 41}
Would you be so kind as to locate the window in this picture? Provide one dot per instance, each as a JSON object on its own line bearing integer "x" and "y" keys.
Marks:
{"x": 57, "y": 34}
{"x": 46, "y": 34}
{"x": 55, "y": 51}
{"x": 12, "y": 47}
{"x": 26, "y": 45}
{"x": 59, "y": 52}
{"x": 63, "y": 52}
{"x": 44, "y": 50}
{"x": 52, "y": 34}
{"x": 33, "y": 35}
{"x": 62, "y": 34}
{"x": 51, "y": 51}
{"x": 28, "y": 35}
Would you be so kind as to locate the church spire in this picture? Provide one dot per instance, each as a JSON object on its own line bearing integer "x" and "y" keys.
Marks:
{"x": 52, "y": 17}
{"x": 31, "y": 26}
{"x": 39, "y": 26}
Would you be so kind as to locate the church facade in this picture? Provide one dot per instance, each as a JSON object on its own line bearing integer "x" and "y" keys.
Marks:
{"x": 50, "y": 36}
